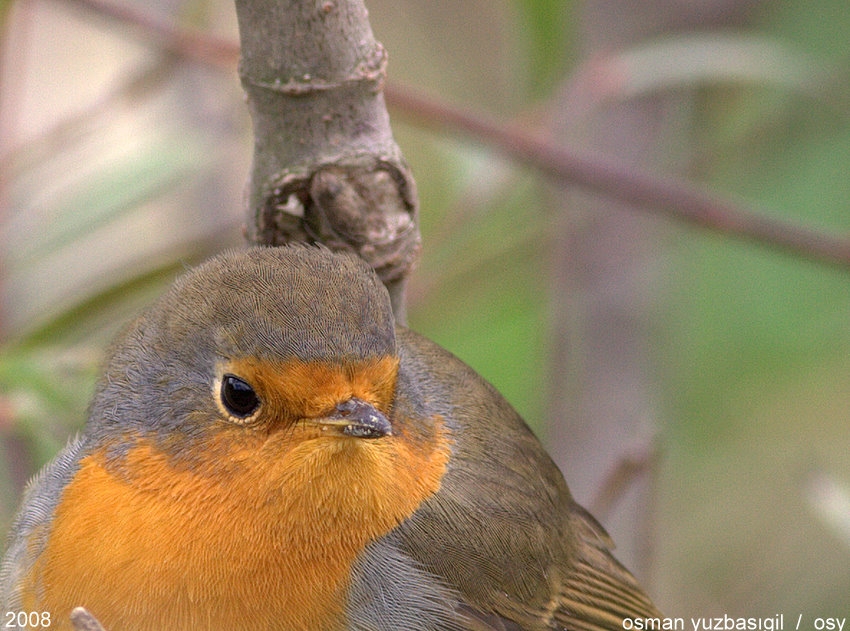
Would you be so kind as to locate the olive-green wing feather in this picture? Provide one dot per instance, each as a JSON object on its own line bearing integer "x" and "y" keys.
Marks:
{"x": 503, "y": 530}
{"x": 599, "y": 593}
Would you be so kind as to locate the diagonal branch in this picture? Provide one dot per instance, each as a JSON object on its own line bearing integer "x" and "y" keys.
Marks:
{"x": 676, "y": 198}
{"x": 164, "y": 34}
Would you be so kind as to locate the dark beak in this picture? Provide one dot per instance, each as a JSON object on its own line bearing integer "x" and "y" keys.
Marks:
{"x": 358, "y": 419}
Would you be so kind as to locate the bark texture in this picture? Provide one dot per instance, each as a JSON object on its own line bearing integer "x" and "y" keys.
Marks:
{"x": 325, "y": 168}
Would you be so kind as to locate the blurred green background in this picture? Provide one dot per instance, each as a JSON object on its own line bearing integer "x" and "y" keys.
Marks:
{"x": 120, "y": 166}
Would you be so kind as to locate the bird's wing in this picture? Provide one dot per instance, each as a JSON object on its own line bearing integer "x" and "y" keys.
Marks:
{"x": 517, "y": 586}
{"x": 30, "y": 528}
{"x": 599, "y": 593}
{"x": 503, "y": 530}
{"x": 391, "y": 591}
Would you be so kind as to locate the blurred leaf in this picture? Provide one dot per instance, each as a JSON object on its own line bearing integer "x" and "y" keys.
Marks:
{"x": 712, "y": 58}
{"x": 48, "y": 391}
{"x": 821, "y": 26}
{"x": 484, "y": 294}
{"x": 830, "y": 499}
{"x": 547, "y": 26}
{"x": 105, "y": 311}
{"x": 85, "y": 204}
{"x": 5, "y": 6}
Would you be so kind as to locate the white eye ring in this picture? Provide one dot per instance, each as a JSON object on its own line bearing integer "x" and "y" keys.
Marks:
{"x": 237, "y": 398}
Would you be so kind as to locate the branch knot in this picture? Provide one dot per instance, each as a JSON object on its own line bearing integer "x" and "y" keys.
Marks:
{"x": 366, "y": 206}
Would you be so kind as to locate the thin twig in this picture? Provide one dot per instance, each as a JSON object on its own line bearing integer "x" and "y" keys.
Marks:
{"x": 198, "y": 46}
{"x": 618, "y": 481}
{"x": 673, "y": 197}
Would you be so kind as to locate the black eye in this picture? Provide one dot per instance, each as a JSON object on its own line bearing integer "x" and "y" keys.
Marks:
{"x": 238, "y": 397}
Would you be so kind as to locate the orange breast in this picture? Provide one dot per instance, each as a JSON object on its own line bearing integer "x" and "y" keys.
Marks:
{"x": 261, "y": 536}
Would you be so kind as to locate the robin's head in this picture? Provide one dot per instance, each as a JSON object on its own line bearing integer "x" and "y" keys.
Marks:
{"x": 265, "y": 337}
{"x": 247, "y": 428}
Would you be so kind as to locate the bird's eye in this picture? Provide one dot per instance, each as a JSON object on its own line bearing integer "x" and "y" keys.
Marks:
{"x": 238, "y": 397}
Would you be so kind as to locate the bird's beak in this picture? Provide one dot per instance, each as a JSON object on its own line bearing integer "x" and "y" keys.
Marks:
{"x": 357, "y": 419}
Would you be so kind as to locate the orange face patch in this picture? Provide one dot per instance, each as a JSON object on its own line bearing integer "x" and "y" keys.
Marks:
{"x": 296, "y": 389}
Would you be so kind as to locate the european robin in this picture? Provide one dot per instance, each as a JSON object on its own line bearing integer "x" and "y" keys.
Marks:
{"x": 268, "y": 450}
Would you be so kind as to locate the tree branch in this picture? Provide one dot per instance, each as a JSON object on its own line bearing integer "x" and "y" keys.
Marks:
{"x": 326, "y": 168}
{"x": 676, "y": 198}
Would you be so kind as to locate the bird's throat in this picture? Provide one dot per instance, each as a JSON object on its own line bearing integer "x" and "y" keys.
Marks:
{"x": 264, "y": 536}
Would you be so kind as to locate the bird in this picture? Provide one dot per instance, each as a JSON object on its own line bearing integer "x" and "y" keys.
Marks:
{"x": 267, "y": 449}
